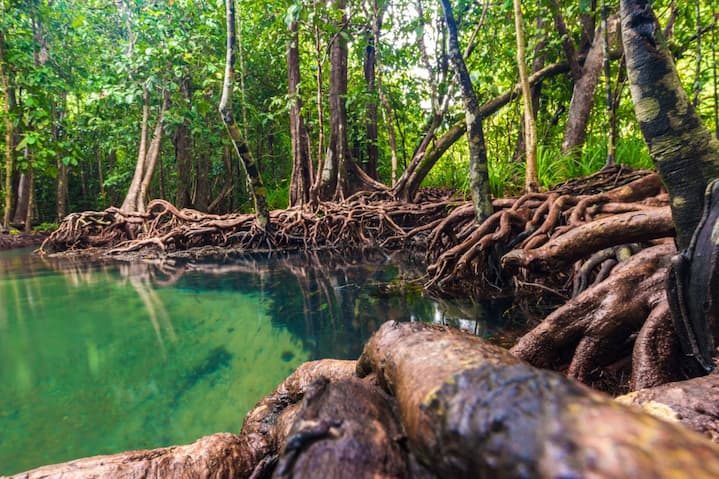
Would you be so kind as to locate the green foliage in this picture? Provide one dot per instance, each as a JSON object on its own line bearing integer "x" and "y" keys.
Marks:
{"x": 45, "y": 228}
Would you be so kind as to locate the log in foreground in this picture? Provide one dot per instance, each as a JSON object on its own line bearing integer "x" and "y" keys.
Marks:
{"x": 219, "y": 456}
{"x": 471, "y": 409}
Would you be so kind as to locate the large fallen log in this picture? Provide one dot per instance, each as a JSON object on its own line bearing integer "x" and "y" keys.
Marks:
{"x": 470, "y": 409}
{"x": 218, "y": 456}
{"x": 694, "y": 403}
{"x": 345, "y": 429}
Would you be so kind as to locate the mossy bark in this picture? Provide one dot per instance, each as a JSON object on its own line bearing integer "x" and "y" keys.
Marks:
{"x": 684, "y": 151}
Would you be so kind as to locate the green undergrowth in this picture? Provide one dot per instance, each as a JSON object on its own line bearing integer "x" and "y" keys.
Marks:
{"x": 506, "y": 177}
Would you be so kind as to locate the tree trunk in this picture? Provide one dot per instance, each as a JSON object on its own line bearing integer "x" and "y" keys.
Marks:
{"x": 183, "y": 154}
{"x": 9, "y": 105}
{"x": 153, "y": 153}
{"x": 683, "y": 150}
{"x": 334, "y": 175}
{"x": 569, "y": 49}
{"x": 301, "y": 180}
{"x": 583, "y": 99}
{"x": 130, "y": 202}
{"x": 30, "y": 198}
{"x": 423, "y": 161}
{"x": 220, "y": 456}
{"x": 370, "y": 76}
{"x": 471, "y": 409}
{"x": 241, "y": 148}
{"x": 478, "y": 168}
{"x": 531, "y": 182}
{"x": 23, "y": 198}
{"x": 62, "y": 191}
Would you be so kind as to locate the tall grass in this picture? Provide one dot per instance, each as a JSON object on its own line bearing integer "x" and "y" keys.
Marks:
{"x": 506, "y": 177}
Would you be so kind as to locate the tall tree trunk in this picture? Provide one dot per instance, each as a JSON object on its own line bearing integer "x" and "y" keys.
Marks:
{"x": 370, "y": 76}
{"x": 334, "y": 174}
{"x": 130, "y": 201}
{"x": 183, "y": 154}
{"x": 609, "y": 95}
{"x": 201, "y": 197}
{"x": 698, "y": 55}
{"x": 8, "y": 104}
{"x": 423, "y": 161}
{"x": 243, "y": 151}
{"x": 153, "y": 153}
{"x": 531, "y": 182}
{"x": 301, "y": 180}
{"x": 61, "y": 195}
{"x": 583, "y": 98}
{"x": 23, "y": 196}
{"x": 683, "y": 150}
{"x": 538, "y": 60}
{"x": 30, "y": 198}
{"x": 570, "y": 50}
{"x": 478, "y": 170}
{"x": 319, "y": 95}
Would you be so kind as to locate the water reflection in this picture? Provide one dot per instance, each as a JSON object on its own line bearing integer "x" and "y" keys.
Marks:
{"x": 101, "y": 357}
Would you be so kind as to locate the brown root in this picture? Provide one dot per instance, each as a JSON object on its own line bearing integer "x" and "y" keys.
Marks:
{"x": 594, "y": 330}
{"x": 471, "y": 409}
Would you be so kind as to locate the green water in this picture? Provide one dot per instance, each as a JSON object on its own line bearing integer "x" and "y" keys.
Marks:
{"x": 96, "y": 359}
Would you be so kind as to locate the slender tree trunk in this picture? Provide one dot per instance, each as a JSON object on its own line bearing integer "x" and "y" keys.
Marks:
{"x": 183, "y": 154}
{"x": 337, "y": 147}
{"x": 317, "y": 180}
{"x": 201, "y": 199}
{"x": 569, "y": 49}
{"x": 583, "y": 99}
{"x": 539, "y": 57}
{"x": 30, "y": 197}
{"x": 130, "y": 202}
{"x": 408, "y": 184}
{"x": 684, "y": 151}
{"x": 23, "y": 194}
{"x": 8, "y": 104}
{"x": 609, "y": 95}
{"x": 698, "y": 58}
{"x": 243, "y": 151}
{"x": 153, "y": 153}
{"x": 301, "y": 180}
{"x": 531, "y": 182}
{"x": 478, "y": 170}
{"x": 370, "y": 76}
{"x": 714, "y": 73}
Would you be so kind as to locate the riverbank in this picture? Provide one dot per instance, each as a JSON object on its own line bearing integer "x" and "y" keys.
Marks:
{"x": 16, "y": 240}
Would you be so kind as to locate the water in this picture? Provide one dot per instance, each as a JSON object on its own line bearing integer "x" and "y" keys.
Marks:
{"x": 98, "y": 358}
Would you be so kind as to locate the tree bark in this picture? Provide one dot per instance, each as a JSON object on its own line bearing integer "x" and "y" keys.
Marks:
{"x": 471, "y": 409}
{"x": 8, "y": 104}
{"x": 130, "y": 202}
{"x": 583, "y": 99}
{"x": 410, "y": 181}
{"x": 153, "y": 153}
{"x": 241, "y": 148}
{"x": 301, "y": 180}
{"x": 183, "y": 154}
{"x": 531, "y": 181}
{"x": 478, "y": 166}
{"x": 683, "y": 150}
{"x": 220, "y": 456}
{"x": 370, "y": 76}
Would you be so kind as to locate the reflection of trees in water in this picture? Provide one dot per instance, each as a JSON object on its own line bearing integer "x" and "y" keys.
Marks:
{"x": 332, "y": 302}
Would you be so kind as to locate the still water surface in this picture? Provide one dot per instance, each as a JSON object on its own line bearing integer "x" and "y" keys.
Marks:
{"x": 98, "y": 358}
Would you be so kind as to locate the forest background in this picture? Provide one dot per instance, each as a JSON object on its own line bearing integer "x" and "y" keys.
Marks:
{"x": 90, "y": 86}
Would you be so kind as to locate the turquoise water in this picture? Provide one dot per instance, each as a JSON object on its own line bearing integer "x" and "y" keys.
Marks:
{"x": 96, "y": 359}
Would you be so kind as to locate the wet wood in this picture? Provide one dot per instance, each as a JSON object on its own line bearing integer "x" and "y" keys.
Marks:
{"x": 345, "y": 429}
{"x": 218, "y": 456}
{"x": 471, "y": 409}
{"x": 694, "y": 403}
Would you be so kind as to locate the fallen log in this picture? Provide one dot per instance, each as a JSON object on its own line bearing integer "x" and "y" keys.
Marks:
{"x": 694, "y": 403}
{"x": 345, "y": 429}
{"x": 471, "y": 409}
{"x": 218, "y": 456}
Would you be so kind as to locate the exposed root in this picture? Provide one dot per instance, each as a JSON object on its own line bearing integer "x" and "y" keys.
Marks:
{"x": 591, "y": 333}
{"x": 360, "y": 222}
